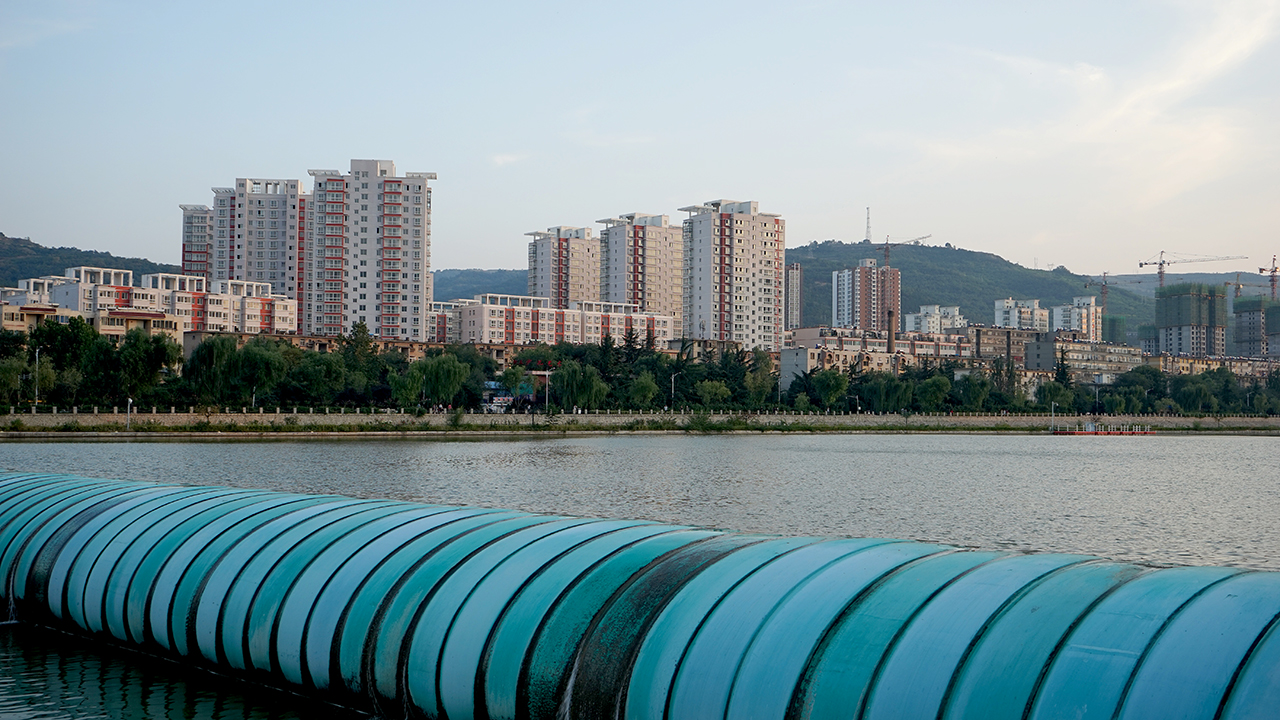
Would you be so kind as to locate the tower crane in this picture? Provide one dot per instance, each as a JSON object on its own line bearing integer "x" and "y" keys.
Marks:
{"x": 1239, "y": 285}
{"x": 1272, "y": 270}
{"x": 888, "y": 244}
{"x": 1104, "y": 283}
{"x": 1162, "y": 261}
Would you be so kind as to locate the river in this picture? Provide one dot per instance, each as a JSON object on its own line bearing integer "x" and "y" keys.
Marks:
{"x": 1162, "y": 500}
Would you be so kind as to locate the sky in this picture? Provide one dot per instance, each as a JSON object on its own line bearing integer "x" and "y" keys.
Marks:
{"x": 1092, "y": 134}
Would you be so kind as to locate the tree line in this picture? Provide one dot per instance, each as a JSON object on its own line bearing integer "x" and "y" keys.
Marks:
{"x": 73, "y": 365}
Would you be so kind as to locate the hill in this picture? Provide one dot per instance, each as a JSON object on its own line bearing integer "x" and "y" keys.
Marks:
{"x": 20, "y": 258}
{"x": 465, "y": 284}
{"x": 952, "y": 276}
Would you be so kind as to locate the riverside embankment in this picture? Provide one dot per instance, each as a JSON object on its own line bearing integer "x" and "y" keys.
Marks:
{"x": 361, "y": 420}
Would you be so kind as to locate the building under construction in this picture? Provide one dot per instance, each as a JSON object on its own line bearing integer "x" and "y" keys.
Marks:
{"x": 1191, "y": 319}
{"x": 1250, "y": 326}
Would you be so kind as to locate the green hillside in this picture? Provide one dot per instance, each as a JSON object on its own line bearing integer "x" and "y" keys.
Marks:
{"x": 952, "y": 276}
{"x": 465, "y": 284}
{"x": 20, "y": 258}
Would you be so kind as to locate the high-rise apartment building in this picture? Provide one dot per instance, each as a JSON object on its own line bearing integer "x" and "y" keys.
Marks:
{"x": 1083, "y": 315}
{"x": 642, "y": 263}
{"x": 368, "y": 252}
{"x": 270, "y": 231}
{"x": 197, "y": 240}
{"x": 793, "y": 296}
{"x": 564, "y": 266}
{"x": 866, "y": 297}
{"x": 733, "y": 276}
{"x": 255, "y": 232}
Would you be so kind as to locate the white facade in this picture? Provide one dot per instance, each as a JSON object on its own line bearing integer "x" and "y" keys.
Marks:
{"x": 1021, "y": 314}
{"x": 1083, "y": 314}
{"x": 564, "y": 265}
{"x": 171, "y": 302}
{"x": 642, "y": 263}
{"x": 368, "y": 253}
{"x": 197, "y": 239}
{"x": 934, "y": 319}
{"x": 733, "y": 274}
{"x": 524, "y": 319}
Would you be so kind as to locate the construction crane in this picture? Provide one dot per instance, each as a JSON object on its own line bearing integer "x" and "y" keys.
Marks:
{"x": 888, "y": 244}
{"x": 1104, "y": 283}
{"x": 1239, "y": 285}
{"x": 1162, "y": 262}
{"x": 1272, "y": 271}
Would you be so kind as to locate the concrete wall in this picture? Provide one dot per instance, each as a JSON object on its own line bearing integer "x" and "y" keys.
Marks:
{"x": 305, "y": 417}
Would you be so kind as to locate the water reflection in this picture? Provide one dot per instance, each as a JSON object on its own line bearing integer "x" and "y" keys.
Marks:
{"x": 46, "y": 674}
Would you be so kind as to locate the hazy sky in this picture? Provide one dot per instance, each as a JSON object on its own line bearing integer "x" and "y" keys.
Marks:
{"x": 1090, "y": 133}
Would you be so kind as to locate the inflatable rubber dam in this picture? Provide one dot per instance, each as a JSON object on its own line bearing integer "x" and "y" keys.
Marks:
{"x": 413, "y": 610}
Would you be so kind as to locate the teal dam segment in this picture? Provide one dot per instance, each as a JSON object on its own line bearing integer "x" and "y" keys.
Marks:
{"x": 429, "y": 611}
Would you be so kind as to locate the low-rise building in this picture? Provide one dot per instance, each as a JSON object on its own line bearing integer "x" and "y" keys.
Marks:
{"x": 1021, "y": 314}
{"x": 525, "y": 319}
{"x": 934, "y": 319}
{"x": 1088, "y": 363}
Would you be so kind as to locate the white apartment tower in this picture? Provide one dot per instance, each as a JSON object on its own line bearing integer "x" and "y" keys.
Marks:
{"x": 197, "y": 240}
{"x": 733, "y": 283}
{"x": 642, "y": 260}
{"x": 369, "y": 252}
{"x": 564, "y": 266}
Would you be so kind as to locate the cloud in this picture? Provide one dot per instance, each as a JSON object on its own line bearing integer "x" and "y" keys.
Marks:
{"x": 19, "y": 31}
{"x": 1142, "y": 139}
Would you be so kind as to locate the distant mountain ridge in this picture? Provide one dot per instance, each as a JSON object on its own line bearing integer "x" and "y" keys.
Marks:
{"x": 943, "y": 275}
{"x": 20, "y": 258}
{"x": 930, "y": 275}
{"x": 466, "y": 284}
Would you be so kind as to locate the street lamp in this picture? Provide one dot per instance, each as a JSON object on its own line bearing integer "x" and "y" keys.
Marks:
{"x": 1052, "y": 405}
{"x": 37, "y": 378}
{"x": 673, "y": 389}
{"x": 128, "y": 415}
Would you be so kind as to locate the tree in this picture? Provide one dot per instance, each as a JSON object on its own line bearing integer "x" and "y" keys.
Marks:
{"x": 208, "y": 371}
{"x": 831, "y": 385}
{"x": 760, "y": 381}
{"x": 143, "y": 358}
{"x": 11, "y": 371}
{"x": 316, "y": 379}
{"x": 257, "y": 368}
{"x": 643, "y": 389}
{"x": 512, "y": 379}
{"x": 577, "y": 385}
{"x": 12, "y": 343}
{"x": 711, "y": 391}
{"x": 974, "y": 389}
{"x": 1061, "y": 371}
{"x": 802, "y": 402}
{"x": 932, "y": 393}
{"x": 63, "y": 345}
{"x": 1054, "y": 392}
{"x": 442, "y": 377}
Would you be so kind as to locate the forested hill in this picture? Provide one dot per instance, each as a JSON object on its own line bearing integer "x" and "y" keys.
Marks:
{"x": 20, "y": 258}
{"x": 466, "y": 284}
{"x": 951, "y": 276}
